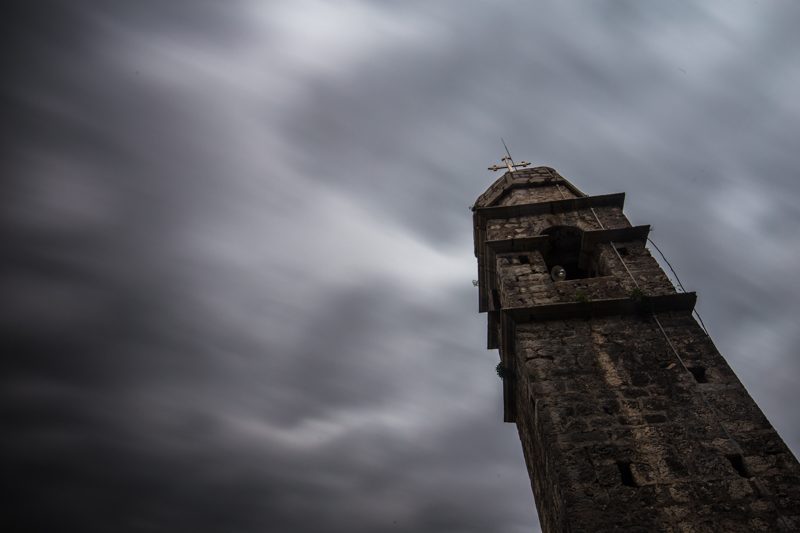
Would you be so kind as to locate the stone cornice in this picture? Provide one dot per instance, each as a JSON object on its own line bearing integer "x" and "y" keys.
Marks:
{"x": 683, "y": 301}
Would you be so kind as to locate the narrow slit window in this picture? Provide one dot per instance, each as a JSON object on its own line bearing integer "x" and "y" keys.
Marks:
{"x": 737, "y": 462}
{"x": 626, "y": 473}
{"x": 524, "y": 259}
{"x": 623, "y": 251}
{"x": 699, "y": 373}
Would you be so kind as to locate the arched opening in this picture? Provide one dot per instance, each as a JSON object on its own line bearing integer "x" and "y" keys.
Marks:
{"x": 564, "y": 249}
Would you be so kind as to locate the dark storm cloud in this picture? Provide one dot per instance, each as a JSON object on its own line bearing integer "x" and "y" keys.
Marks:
{"x": 237, "y": 246}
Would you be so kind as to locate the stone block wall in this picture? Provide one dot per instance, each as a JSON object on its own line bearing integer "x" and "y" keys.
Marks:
{"x": 637, "y": 440}
{"x": 521, "y": 196}
{"x": 531, "y": 226}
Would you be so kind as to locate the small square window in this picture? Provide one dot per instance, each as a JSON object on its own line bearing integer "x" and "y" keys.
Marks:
{"x": 699, "y": 373}
{"x": 737, "y": 462}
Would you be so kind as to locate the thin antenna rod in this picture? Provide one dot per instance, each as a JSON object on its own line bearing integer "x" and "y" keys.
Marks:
{"x": 506, "y": 147}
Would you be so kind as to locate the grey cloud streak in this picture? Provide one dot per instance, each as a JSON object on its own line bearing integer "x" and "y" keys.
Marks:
{"x": 237, "y": 249}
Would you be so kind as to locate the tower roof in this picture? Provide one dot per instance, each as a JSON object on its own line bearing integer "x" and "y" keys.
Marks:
{"x": 522, "y": 178}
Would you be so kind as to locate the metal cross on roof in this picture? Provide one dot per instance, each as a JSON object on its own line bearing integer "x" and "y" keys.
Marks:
{"x": 509, "y": 163}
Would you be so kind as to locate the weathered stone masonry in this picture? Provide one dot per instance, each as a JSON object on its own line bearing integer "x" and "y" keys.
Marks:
{"x": 629, "y": 417}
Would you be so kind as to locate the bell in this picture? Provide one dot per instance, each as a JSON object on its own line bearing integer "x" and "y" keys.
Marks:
{"x": 558, "y": 273}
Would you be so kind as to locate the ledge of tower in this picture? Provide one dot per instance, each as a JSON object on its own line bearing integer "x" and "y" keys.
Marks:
{"x": 528, "y": 177}
{"x": 641, "y": 306}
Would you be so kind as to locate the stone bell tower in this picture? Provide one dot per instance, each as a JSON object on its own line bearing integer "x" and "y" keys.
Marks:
{"x": 629, "y": 417}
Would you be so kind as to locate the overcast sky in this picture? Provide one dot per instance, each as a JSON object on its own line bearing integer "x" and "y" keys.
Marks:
{"x": 237, "y": 250}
